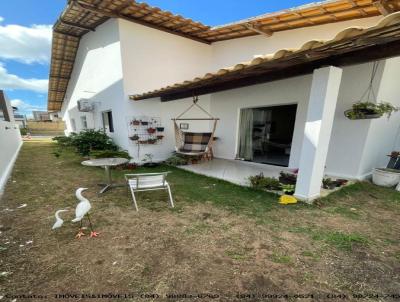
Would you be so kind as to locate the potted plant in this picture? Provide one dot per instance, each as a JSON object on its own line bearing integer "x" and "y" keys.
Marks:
{"x": 288, "y": 189}
{"x": 152, "y": 141}
{"x": 160, "y": 137}
{"x": 144, "y": 123}
{"x": 143, "y": 142}
{"x": 369, "y": 110}
{"x": 134, "y": 137}
{"x": 160, "y": 129}
{"x": 328, "y": 184}
{"x": 148, "y": 161}
{"x": 340, "y": 182}
{"x": 287, "y": 178}
{"x": 151, "y": 130}
{"x": 135, "y": 122}
{"x": 386, "y": 177}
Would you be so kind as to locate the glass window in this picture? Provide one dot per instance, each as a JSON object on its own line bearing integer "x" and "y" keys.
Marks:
{"x": 73, "y": 125}
{"x": 108, "y": 125}
{"x": 84, "y": 122}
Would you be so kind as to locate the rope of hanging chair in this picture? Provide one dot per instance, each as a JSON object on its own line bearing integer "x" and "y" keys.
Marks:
{"x": 191, "y": 106}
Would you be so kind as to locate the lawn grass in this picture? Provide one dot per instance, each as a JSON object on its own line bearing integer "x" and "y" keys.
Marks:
{"x": 220, "y": 238}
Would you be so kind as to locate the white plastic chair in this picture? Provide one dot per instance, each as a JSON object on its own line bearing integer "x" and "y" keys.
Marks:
{"x": 148, "y": 182}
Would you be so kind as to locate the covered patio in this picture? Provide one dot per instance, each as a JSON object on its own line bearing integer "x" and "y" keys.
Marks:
{"x": 325, "y": 61}
{"x": 234, "y": 171}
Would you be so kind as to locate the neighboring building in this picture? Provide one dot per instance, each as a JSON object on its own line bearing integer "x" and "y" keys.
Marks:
{"x": 41, "y": 115}
{"x": 323, "y": 58}
{"x": 19, "y": 119}
{"x": 45, "y": 116}
{"x": 10, "y": 140}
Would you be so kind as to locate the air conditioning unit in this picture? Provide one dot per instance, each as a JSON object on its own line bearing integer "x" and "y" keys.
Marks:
{"x": 84, "y": 105}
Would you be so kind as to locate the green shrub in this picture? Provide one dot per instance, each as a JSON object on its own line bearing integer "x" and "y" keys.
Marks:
{"x": 87, "y": 141}
{"x": 110, "y": 154}
{"x": 64, "y": 140}
{"x": 176, "y": 160}
{"x": 23, "y": 131}
{"x": 261, "y": 182}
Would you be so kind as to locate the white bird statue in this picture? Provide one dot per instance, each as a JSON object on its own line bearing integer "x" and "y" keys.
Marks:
{"x": 83, "y": 206}
{"x": 59, "y": 222}
{"x": 81, "y": 211}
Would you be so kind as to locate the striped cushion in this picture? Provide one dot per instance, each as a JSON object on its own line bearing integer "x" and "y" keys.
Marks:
{"x": 196, "y": 142}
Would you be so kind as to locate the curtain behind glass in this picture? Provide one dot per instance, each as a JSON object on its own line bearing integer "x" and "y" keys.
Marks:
{"x": 246, "y": 134}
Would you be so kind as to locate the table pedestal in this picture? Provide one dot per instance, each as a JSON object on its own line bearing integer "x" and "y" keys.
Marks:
{"x": 109, "y": 184}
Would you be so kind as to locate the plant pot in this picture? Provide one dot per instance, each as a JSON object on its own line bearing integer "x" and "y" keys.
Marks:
{"x": 151, "y": 165}
{"x": 135, "y": 123}
{"x": 134, "y": 137}
{"x": 160, "y": 137}
{"x": 160, "y": 129}
{"x": 143, "y": 142}
{"x": 385, "y": 177}
{"x": 289, "y": 193}
{"x": 144, "y": 123}
{"x": 340, "y": 182}
{"x": 361, "y": 114}
{"x": 152, "y": 141}
{"x": 330, "y": 186}
{"x": 151, "y": 130}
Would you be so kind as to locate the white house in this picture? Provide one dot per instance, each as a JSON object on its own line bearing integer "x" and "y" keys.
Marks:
{"x": 290, "y": 75}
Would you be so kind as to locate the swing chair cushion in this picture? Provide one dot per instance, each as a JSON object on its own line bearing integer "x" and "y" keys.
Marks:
{"x": 195, "y": 142}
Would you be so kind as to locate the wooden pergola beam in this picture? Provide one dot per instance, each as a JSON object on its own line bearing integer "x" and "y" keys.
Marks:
{"x": 79, "y": 26}
{"x": 383, "y": 7}
{"x": 258, "y": 29}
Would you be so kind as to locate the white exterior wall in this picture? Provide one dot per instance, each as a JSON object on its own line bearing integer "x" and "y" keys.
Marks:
{"x": 231, "y": 52}
{"x": 97, "y": 75}
{"x": 10, "y": 144}
{"x": 153, "y": 59}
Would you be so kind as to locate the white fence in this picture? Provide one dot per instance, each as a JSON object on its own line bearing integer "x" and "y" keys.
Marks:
{"x": 10, "y": 143}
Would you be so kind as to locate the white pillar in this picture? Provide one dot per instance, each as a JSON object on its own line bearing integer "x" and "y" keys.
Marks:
{"x": 317, "y": 132}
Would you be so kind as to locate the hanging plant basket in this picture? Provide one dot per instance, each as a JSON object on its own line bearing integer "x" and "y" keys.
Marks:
{"x": 369, "y": 110}
{"x": 361, "y": 115}
{"x": 368, "y": 106}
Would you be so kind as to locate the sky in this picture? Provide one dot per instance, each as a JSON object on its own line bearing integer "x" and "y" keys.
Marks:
{"x": 25, "y": 38}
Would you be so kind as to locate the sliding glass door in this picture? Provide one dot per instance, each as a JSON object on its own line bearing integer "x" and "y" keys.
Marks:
{"x": 266, "y": 134}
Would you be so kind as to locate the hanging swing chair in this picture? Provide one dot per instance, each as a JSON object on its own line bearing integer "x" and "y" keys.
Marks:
{"x": 195, "y": 144}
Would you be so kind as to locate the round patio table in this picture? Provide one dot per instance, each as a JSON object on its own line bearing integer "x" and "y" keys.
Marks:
{"x": 106, "y": 163}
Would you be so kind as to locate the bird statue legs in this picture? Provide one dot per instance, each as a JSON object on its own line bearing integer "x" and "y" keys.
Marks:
{"x": 92, "y": 232}
{"x": 80, "y": 232}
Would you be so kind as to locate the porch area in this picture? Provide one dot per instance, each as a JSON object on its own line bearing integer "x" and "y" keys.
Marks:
{"x": 234, "y": 171}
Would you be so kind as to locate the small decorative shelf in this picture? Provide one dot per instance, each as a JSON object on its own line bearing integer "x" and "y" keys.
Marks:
{"x": 145, "y": 130}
